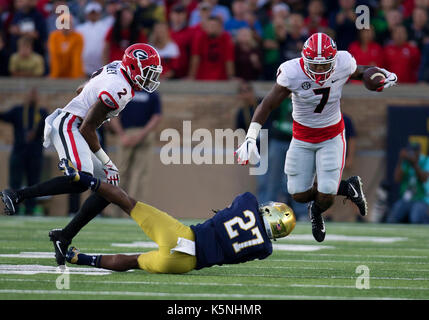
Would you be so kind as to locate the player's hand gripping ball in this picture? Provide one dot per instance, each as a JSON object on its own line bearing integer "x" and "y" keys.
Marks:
{"x": 377, "y": 79}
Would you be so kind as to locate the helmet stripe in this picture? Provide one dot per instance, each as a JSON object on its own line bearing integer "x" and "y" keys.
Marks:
{"x": 319, "y": 44}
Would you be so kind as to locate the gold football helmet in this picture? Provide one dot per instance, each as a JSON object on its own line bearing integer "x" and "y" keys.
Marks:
{"x": 279, "y": 219}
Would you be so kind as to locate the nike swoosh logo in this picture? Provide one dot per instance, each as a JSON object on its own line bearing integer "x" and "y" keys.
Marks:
{"x": 57, "y": 243}
{"x": 335, "y": 80}
{"x": 354, "y": 190}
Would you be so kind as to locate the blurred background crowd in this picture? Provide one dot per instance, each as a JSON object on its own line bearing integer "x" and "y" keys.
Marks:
{"x": 208, "y": 39}
{"x": 241, "y": 41}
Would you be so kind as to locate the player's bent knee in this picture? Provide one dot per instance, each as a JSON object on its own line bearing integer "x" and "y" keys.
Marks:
{"x": 303, "y": 197}
{"x": 328, "y": 187}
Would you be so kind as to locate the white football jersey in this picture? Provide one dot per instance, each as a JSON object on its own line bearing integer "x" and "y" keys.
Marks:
{"x": 107, "y": 84}
{"x": 315, "y": 105}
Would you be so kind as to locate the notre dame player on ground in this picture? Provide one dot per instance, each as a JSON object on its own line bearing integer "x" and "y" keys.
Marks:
{"x": 236, "y": 234}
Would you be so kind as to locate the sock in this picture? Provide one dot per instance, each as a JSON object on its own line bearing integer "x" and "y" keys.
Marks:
{"x": 89, "y": 181}
{"x": 89, "y": 210}
{"x": 88, "y": 260}
{"x": 58, "y": 185}
{"x": 316, "y": 209}
{"x": 343, "y": 188}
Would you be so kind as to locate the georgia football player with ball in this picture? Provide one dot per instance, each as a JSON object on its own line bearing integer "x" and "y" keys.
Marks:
{"x": 318, "y": 145}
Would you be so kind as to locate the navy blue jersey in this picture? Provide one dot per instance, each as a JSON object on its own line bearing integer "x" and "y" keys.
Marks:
{"x": 235, "y": 234}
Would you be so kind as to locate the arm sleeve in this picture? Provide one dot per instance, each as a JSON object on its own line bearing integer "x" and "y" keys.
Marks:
{"x": 353, "y": 65}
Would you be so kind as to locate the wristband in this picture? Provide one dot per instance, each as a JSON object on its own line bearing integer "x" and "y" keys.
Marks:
{"x": 102, "y": 156}
{"x": 253, "y": 130}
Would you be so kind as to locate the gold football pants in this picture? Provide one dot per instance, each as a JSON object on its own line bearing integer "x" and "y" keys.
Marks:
{"x": 164, "y": 230}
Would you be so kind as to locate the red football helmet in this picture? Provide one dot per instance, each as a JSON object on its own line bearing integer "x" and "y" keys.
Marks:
{"x": 143, "y": 65}
{"x": 319, "y": 54}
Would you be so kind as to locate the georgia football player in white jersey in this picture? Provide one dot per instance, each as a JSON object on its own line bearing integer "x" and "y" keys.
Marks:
{"x": 318, "y": 145}
{"x": 72, "y": 131}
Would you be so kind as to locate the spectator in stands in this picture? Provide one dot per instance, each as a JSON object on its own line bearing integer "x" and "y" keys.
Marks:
{"x": 25, "y": 62}
{"x": 182, "y": 35}
{"x": 418, "y": 27}
{"x": 393, "y": 18}
{"x": 315, "y": 21}
{"x": 253, "y": 23}
{"x": 248, "y": 55}
{"x": 237, "y": 21}
{"x": 136, "y": 127}
{"x": 411, "y": 172}
{"x": 168, "y": 50}
{"x": 149, "y": 13}
{"x": 424, "y": 66}
{"x": 4, "y": 57}
{"x": 27, "y": 21}
{"x": 291, "y": 45}
{"x": 274, "y": 33}
{"x": 212, "y": 53}
{"x": 93, "y": 31}
{"x": 123, "y": 33}
{"x": 65, "y": 52}
{"x": 28, "y": 122}
{"x": 379, "y": 21}
{"x": 343, "y": 22}
{"x": 402, "y": 57}
{"x": 217, "y": 10}
{"x": 205, "y": 12}
{"x": 366, "y": 51}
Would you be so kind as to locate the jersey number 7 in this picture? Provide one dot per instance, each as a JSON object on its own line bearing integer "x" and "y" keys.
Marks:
{"x": 238, "y": 246}
{"x": 325, "y": 95}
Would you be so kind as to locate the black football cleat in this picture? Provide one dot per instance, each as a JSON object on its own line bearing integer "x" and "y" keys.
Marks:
{"x": 356, "y": 195}
{"x": 60, "y": 245}
{"x": 317, "y": 224}
{"x": 11, "y": 200}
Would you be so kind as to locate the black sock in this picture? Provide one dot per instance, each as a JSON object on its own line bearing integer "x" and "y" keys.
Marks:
{"x": 89, "y": 210}
{"x": 88, "y": 260}
{"x": 89, "y": 181}
{"x": 343, "y": 188}
{"x": 316, "y": 209}
{"x": 58, "y": 185}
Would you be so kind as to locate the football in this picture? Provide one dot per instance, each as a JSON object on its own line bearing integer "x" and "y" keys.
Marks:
{"x": 373, "y": 78}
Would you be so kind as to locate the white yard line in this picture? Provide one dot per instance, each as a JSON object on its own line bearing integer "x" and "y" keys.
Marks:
{"x": 350, "y": 261}
{"x": 215, "y": 284}
{"x": 353, "y": 287}
{"x": 189, "y": 295}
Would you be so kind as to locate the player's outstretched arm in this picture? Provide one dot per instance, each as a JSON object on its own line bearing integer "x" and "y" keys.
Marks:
{"x": 358, "y": 74}
{"x": 248, "y": 151}
{"x": 270, "y": 102}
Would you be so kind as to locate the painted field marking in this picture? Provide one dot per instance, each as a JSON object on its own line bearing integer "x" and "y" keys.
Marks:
{"x": 37, "y": 269}
{"x": 191, "y": 295}
{"x": 349, "y": 261}
{"x": 214, "y": 284}
{"x": 345, "y": 238}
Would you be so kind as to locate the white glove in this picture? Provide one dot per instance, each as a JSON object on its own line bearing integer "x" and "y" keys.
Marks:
{"x": 390, "y": 80}
{"x": 248, "y": 151}
{"x": 112, "y": 173}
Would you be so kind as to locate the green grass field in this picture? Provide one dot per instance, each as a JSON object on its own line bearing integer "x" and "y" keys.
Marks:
{"x": 397, "y": 257}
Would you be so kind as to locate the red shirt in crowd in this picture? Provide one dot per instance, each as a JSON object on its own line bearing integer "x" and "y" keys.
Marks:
{"x": 372, "y": 56}
{"x": 321, "y": 26}
{"x": 213, "y": 53}
{"x": 117, "y": 49}
{"x": 183, "y": 39}
{"x": 403, "y": 60}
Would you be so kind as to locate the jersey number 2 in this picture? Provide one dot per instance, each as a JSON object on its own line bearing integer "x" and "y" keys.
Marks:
{"x": 238, "y": 246}
{"x": 325, "y": 95}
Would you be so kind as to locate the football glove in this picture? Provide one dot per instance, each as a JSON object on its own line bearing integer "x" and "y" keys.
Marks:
{"x": 112, "y": 173}
{"x": 390, "y": 80}
{"x": 248, "y": 151}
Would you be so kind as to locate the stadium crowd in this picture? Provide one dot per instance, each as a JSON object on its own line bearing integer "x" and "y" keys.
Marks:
{"x": 207, "y": 39}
